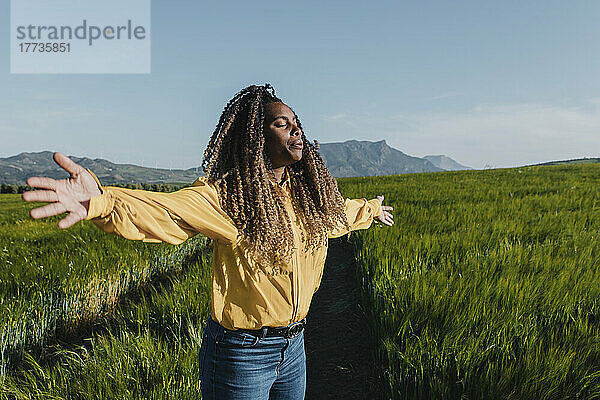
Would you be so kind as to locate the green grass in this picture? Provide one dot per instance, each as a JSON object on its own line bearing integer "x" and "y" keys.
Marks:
{"x": 59, "y": 279}
{"x": 488, "y": 284}
{"x": 487, "y": 287}
{"x": 147, "y": 348}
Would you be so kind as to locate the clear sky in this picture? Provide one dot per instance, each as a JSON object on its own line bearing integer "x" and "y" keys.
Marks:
{"x": 499, "y": 83}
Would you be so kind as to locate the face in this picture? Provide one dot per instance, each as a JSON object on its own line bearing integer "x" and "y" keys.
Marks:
{"x": 283, "y": 140}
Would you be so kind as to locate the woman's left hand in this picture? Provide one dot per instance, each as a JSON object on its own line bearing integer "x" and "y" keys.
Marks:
{"x": 386, "y": 217}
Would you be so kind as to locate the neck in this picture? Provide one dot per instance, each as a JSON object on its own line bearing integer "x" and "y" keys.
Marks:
{"x": 278, "y": 173}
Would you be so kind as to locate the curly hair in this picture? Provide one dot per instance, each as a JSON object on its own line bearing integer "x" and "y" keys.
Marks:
{"x": 236, "y": 162}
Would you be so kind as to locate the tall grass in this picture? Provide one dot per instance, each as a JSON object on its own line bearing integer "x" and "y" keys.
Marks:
{"x": 147, "y": 348}
{"x": 59, "y": 279}
{"x": 488, "y": 285}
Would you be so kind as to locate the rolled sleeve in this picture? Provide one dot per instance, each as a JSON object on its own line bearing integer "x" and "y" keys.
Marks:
{"x": 360, "y": 214}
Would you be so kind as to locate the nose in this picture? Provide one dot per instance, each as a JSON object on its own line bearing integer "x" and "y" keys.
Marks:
{"x": 296, "y": 130}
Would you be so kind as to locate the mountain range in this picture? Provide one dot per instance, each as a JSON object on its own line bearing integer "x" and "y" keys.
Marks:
{"x": 343, "y": 159}
{"x": 445, "y": 163}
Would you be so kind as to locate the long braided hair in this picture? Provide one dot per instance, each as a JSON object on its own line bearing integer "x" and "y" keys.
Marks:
{"x": 235, "y": 161}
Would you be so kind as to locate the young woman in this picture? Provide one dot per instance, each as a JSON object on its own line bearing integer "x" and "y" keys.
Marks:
{"x": 269, "y": 204}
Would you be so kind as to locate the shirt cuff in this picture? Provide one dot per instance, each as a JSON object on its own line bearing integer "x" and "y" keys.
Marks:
{"x": 102, "y": 204}
{"x": 376, "y": 206}
{"x": 96, "y": 179}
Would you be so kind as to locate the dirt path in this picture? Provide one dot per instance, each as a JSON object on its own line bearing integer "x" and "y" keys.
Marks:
{"x": 339, "y": 361}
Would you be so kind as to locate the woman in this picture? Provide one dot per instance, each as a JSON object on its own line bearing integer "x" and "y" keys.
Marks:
{"x": 269, "y": 204}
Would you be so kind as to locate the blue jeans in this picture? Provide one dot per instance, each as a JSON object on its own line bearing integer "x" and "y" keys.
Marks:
{"x": 241, "y": 366}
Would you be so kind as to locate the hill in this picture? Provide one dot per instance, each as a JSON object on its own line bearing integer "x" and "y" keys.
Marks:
{"x": 585, "y": 160}
{"x": 446, "y": 163}
{"x": 16, "y": 170}
{"x": 364, "y": 158}
{"x": 344, "y": 159}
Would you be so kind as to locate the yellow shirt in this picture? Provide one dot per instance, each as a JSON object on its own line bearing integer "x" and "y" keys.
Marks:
{"x": 244, "y": 293}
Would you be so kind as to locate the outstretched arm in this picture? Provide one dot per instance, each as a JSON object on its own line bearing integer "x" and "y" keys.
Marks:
{"x": 361, "y": 213}
{"x": 133, "y": 214}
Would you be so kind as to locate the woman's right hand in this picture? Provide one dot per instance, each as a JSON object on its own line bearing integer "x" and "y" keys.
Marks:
{"x": 71, "y": 194}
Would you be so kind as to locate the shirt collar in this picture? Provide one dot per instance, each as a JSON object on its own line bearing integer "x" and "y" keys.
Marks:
{"x": 285, "y": 181}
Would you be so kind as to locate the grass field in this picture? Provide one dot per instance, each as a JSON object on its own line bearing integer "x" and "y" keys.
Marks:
{"x": 487, "y": 286}
{"x": 63, "y": 279}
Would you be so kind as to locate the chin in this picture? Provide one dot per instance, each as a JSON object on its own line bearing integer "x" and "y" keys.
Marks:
{"x": 296, "y": 155}
{"x": 296, "y": 158}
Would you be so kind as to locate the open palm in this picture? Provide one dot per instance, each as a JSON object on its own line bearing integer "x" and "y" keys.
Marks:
{"x": 386, "y": 216}
{"x": 65, "y": 195}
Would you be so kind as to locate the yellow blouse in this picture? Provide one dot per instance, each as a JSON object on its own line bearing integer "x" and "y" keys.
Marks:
{"x": 245, "y": 294}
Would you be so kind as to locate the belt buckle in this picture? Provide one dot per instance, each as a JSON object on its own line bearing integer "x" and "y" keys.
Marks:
{"x": 294, "y": 330}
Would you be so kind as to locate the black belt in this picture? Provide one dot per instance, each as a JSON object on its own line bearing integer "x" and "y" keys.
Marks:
{"x": 287, "y": 332}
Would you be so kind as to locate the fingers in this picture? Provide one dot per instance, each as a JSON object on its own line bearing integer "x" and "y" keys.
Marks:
{"x": 66, "y": 163}
{"x": 391, "y": 219}
{"x": 385, "y": 213}
{"x": 47, "y": 210}
{"x": 44, "y": 183}
{"x": 69, "y": 220}
{"x": 40, "y": 195}
{"x": 388, "y": 221}
{"x": 386, "y": 218}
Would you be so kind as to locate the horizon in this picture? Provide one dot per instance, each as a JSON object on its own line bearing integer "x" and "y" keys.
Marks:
{"x": 484, "y": 84}
{"x": 321, "y": 143}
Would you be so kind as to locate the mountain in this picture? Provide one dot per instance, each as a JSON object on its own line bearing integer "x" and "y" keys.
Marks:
{"x": 364, "y": 158}
{"x": 350, "y": 158}
{"x": 446, "y": 163}
{"x": 585, "y": 160}
{"x": 17, "y": 169}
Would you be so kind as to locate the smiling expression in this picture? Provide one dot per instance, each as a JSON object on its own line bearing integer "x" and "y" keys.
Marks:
{"x": 283, "y": 137}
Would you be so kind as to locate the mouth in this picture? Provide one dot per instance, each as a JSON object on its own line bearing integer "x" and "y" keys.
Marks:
{"x": 296, "y": 145}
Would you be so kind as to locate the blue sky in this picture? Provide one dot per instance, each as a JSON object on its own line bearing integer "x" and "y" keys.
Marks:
{"x": 500, "y": 83}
